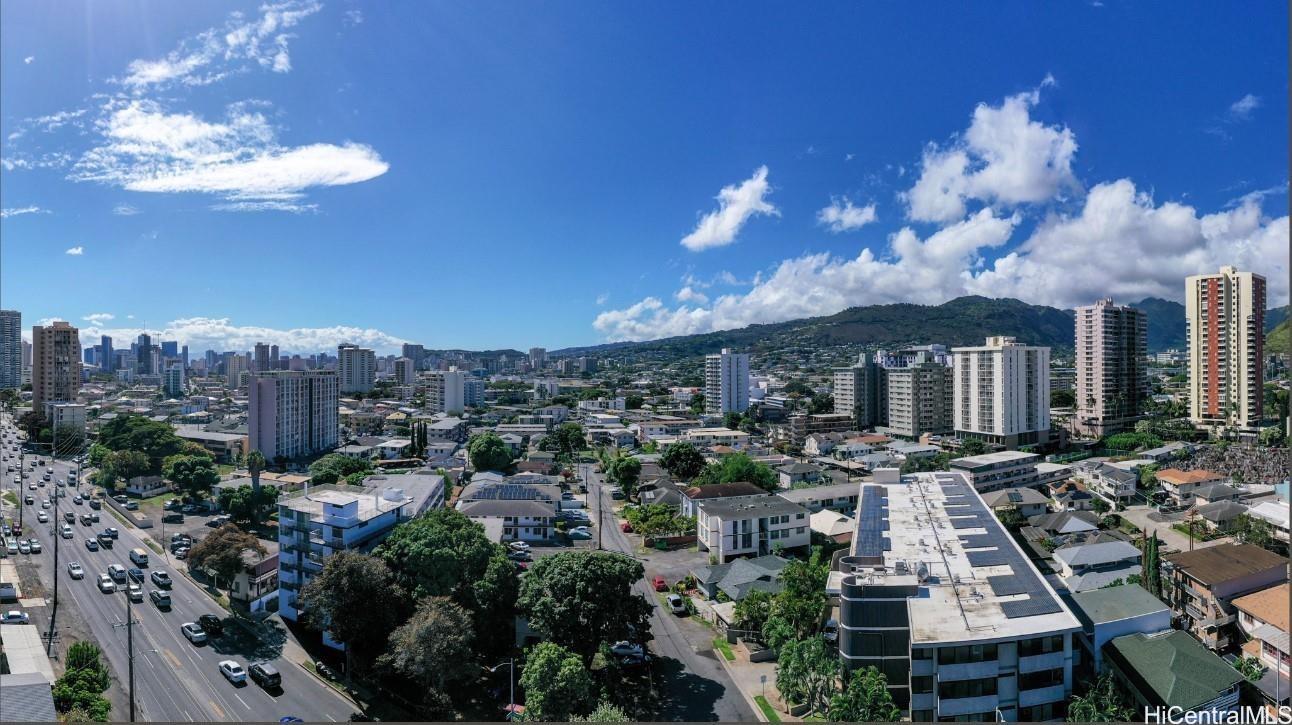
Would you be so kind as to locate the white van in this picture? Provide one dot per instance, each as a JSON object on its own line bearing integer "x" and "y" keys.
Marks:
{"x": 139, "y": 557}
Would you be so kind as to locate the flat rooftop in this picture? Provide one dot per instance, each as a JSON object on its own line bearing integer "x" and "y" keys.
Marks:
{"x": 979, "y": 585}
{"x": 999, "y": 458}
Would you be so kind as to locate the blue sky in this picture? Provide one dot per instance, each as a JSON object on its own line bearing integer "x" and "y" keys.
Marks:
{"x": 484, "y": 175}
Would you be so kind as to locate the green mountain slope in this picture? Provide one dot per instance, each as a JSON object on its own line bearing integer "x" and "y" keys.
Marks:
{"x": 1276, "y": 340}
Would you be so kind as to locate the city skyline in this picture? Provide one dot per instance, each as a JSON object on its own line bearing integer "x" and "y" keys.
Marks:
{"x": 589, "y": 156}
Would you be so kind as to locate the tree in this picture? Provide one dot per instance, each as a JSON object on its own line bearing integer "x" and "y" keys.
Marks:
{"x": 1251, "y": 530}
{"x": 80, "y": 689}
{"x": 31, "y": 423}
{"x": 737, "y": 467}
{"x": 488, "y": 452}
{"x": 255, "y": 464}
{"x": 697, "y": 403}
{"x": 1131, "y": 441}
{"x": 556, "y": 683}
{"x": 1062, "y": 399}
{"x": 220, "y": 552}
{"x": 69, "y": 438}
{"x": 356, "y": 600}
{"x": 799, "y": 388}
{"x": 193, "y": 474}
{"x": 127, "y": 464}
{"x": 751, "y": 613}
{"x": 1010, "y": 518}
{"x": 334, "y": 467}
{"x": 625, "y": 470}
{"x": 434, "y": 646}
{"x": 973, "y": 447}
{"x": 580, "y": 599}
{"x": 1103, "y": 701}
{"x": 634, "y": 401}
{"x": 1273, "y": 437}
{"x": 605, "y": 712}
{"x": 821, "y": 403}
{"x": 732, "y": 420}
{"x": 864, "y": 699}
{"x": 155, "y": 439}
{"x": 246, "y": 504}
{"x": 807, "y": 672}
{"x": 565, "y": 440}
{"x": 683, "y": 461}
{"x": 1250, "y": 668}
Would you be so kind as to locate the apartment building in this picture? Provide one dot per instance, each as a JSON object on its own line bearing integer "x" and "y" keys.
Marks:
{"x": 856, "y": 392}
{"x": 841, "y": 497}
{"x": 1002, "y": 469}
{"x": 512, "y": 519}
{"x": 938, "y": 596}
{"x": 1114, "y": 485}
{"x": 1204, "y": 583}
{"x": 325, "y": 520}
{"x": 1181, "y": 485}
{"x": 537, "y": 357}
{"x": 802, "y": 426}
{"x": 405, "y": 371}
{"x": 11, "y": 343}
{"x": 292, "y": 413}
{"x": 1263, "y": 616}
{"x": 1225, "y": 313}
{"x": 473, "y": 392}
{"x": 751, "y": 527}
{"x": 55, "y": 364}
{"x": 173, "y": 381}
{"x": 356, "y": 368}
{"x": 726, "y": 382}
{"x": 445, "y": 391}
{"x": 1112, "y": 370}
{"x": 1002, "y": 392}
{"x": 65, "y": 415}
{"x": 917, "y": 399}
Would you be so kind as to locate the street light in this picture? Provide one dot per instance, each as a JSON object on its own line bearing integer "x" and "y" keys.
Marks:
{"x": 511, "y": 682}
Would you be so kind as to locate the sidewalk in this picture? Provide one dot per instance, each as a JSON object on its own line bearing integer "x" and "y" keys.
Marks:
{"x": 749, "y": 679}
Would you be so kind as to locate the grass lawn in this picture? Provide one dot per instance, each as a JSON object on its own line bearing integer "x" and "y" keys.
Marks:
{"x": 769, "y": 712}
{"x": 225, "y": 468}
{"x": 11, "y": 497}
{"x": 720, "y": 644}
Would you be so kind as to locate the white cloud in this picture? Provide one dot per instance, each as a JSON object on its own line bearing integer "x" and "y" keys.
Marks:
{"x": 1123, "y": 244}
{"x": 98, "y": 318}
{"x": 736, "y": 204}
{"x": 146, "y": 149}
{"x": 842, "y": 216}
{"x": 75, "y": 251}
{"x": 212, "y": 54}
{"x": 48, "y": 123}
{"x": 928, "y": 271}
{"x": 124, "y": 210}
{"x": 29, "y": 59}
{"x": 1004, "y": 158}
{"x": 603, "y": 298}
{"x": 687, "y": 294}
{"x": 19, "y": 211}
{"x": 220, "y": 334}
{"x": 1242, "y": 109}
{"x": 354, "y": 17}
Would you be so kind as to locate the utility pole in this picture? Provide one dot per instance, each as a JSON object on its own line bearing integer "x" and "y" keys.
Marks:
{"x": 130, "y": 649}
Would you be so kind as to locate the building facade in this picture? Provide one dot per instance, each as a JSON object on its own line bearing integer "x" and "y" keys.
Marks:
{"x": 10, "y": 349}
{"x": 1112, "y": 370}
{"x": 405, "y": 371}
{"x": 917, "y": 399}
{"x": 292, "y": 414}
{"x": 1002, "y": 392}
{"x": 356, "y": 368}
{"x": 726, "y": 382}
{"x": 856, "y": 389}
{"x": 55, "y": 364}
{"x": 445, "y": 391}
{"x": 1225, "y": 313}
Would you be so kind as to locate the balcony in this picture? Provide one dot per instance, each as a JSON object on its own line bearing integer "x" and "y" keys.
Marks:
{"x": 967, "y": 705}
{"x": 1035, "y": 663}
{"x": 968, "y": 671}
{"x": 1040, "y": 696}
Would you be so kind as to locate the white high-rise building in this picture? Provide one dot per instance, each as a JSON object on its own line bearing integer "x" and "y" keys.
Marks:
{"x": 855, "y": 392}
{"x": 292, "y": 414}
{"x": 1002, "y": 392}
{"x": 446, "y": 391}
{"x": 356, "y": 367}
{"x": 405, "y": 371}
{"x": 234, "y": 367}
{"x": 10, "y": 349}
{"x": 1225, "y": 313}
{"x": 726, "y": 382}
{"x": 1112, "y": 367}
{"x": 173, "y": 380}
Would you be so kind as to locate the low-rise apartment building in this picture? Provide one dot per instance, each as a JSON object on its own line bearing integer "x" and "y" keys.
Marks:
{"x": 1263, "y": 616}
{"x": 802, "y": 426}
{"x": 513, "y": 520}
{"x": 696, "y": 495}
{"x": 1204, "y": 583}
{"x": 1181, "y": 485}
{"x": 1114, "y": 485}
{"x": 841, "y": 497}
{"x": 751, "y": 527}
{"x": 1002, "y": 469}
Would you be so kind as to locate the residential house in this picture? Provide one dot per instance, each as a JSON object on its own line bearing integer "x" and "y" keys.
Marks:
{"x": 798, "y": 473}
{"x": 1170, "y": 669}
{"x": 258, "y": 578}
{"x": 1093, "y": 566}
{"x": 1275, "y": 513}
{"x": 1071, "y": 496}
{"x": 822, "y": 444}
{"x": 838, "y": 497}
{"x": 740, "y": 577}
{"x": 1215, "y": 493}
{"x": 1221, "y": 516}
{"x": 1180, "y": 485}
{"x": 1065, "y": 522}
{"x": 1168, "y": 452}
{"x": 751, "y": 527}
{"x": 1113, "y": 485}
{"x": 1113, "y": 612}
{"x": 695, "y": 495}
{"x": 1028, "y": 501}
{"x": 513, "y": 520}
{"x": 1204, "y": 583}
{"x": 833, "y": 525}
{"x": 1263, "y": 616}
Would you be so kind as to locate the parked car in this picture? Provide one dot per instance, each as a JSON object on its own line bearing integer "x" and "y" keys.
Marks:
{"x": 131, "y": 505}
{"x": 233, "y": 672}
{"x": 193, "y": 632}
{"x": 161, "y": 579}
{"x": 520, "y": 556}
{"x": 34, "y": 546}
{"x": 121, "y": 498}
{"x": 265, "y": 675}
{"x": 579, "y": 533}
{"x": 830, "y": 631}
{"x": 181, "y": 553}
{"x": 75, "y": 571}
{"x": 518, "y": 545}
{"x": 11, "y": 547}
{"x": 212, "y": 624}
{"x": 24, "y": 547}
{"x": 106, "y": 585}
{"x": 659, "y": 584}
{"x": 626, "y": 649}
{"x": 13, "y": 616}
{"x": 676, "y": 605}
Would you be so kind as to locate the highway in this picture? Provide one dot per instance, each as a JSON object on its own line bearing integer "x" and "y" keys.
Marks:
{"x": 174, "y": 680}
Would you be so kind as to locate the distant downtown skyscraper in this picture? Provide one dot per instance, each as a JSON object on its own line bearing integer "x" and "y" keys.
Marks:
{"x": 107, "y": 362}
{"x": 144, "y": 355}
{"x": 1112, "y": 368}
{"x": 260, "y": 361}
{"x": 10, "y": 349}
{"x": 537, "y": 357}
{"x": 55, "y": 364}
{"x": 1225, "y": 313}
{"x": 726, "y": 382}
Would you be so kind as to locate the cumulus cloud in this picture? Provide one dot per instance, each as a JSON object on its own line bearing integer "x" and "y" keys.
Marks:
{"x": 1242, "y": 109}
{"x": 212, "y": 54}
{"x": 98, "y": 318}
{"x": 842, "y": 216}
{"x": 29, "y": 59}
{"x": 75, "y": 251}
{"x": 736, "y": 205}
{"x": 1004, "y": 158}
{"x": 220, "y": 334}
{"x": 687, "y": 294}
{"x": 145, "y": 148}
{"x": 19, "y": 211}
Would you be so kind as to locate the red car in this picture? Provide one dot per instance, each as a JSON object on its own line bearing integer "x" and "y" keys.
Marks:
{"x": 659, "y": 583}
{"x": 626, "y": 527}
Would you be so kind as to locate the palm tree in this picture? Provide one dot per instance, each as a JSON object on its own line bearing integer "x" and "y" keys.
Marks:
{"x": 255, "y": 464}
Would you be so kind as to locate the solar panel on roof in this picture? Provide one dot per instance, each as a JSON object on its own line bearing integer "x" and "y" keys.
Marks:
{"x": 1008, "y": 584}
{"x": 979, "y": 541}
{"x": 990, "y": 557}
{"x": 966, "y": 522}
{"x": 1015, "y": 497}
{"x": 1030, "y": 607}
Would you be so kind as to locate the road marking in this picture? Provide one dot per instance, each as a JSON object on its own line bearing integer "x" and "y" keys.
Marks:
{"x": 244, "y": 702}
{"x": 190, "y": 717}
{"x": 218, "y": 710}
{"x": 170, "y": 656}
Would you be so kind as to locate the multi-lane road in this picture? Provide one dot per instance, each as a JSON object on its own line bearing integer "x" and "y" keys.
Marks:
{"x": 174, "y": 680}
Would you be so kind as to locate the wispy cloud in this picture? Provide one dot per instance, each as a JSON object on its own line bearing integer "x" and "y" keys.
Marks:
{"x": 201, "y": 333}
{"x": 842, "y": 216}
{"x": 75, "y": 251}
{"x": 98, "y": 318}
{"x": 124, "y": 210}
{"x": 354, "y": 17}
{"x": 736, "y": 205}
{"x": 19, "y": 211}
{"x": 1242, "y": 109}
{"x": 603, "y": 298}
{"x": 29, "y": 59}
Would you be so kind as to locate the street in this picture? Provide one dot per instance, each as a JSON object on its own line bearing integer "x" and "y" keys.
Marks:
{"x": 174, "y": 680}
{"x": 693, "y": 683}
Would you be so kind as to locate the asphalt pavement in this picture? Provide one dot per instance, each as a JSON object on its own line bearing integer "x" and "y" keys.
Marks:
{"x": 693, "y": 684}
{"x": 174, "y": 679}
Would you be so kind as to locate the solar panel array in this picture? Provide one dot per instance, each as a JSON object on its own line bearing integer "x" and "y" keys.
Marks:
{"x": 871, "y": 523}
{"x": 510, "y": 492}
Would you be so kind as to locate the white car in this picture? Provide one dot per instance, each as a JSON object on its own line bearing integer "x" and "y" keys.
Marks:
{"x": 626, "y": 649}
{"x": 13, "y": 616}
{"x": 676, "y": 605}
{"x": 233, "y": 672}
{"x": 135, "y": 592}
{"x": 194, "y": 633}
{"x": 34, "y": 546}
{"x": 106, "y": 585}
{"x": 42, "y": 517}
{"x": 75, "y": 571}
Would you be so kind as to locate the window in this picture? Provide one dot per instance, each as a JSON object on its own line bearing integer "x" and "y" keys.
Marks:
{"x": 801, "y": 529}
{"x": 1042, "y": 678}
{"x": 921, "y": 685}
{"x": 967, "y": 688}
{"x": 1040, "y": 645}
{"x": 923, "y": 653}
{"x": 966, "y": 654}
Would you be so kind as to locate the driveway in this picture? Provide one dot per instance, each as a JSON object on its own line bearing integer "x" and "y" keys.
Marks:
{"x": 1149, "y": 520}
